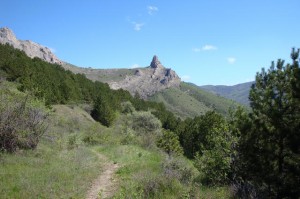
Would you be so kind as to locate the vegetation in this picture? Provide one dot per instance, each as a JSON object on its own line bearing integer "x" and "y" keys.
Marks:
{"x": 160, "y": 155}
{"x": 22, "y": 120}
{"x": 208, "y": 139}
{"x": 268, "y": 158}
{"x": 190, "y": 101}
{"x": 169, "y": 142}
{"x": 56, "y": 168}
{"x": 238, "y": 93}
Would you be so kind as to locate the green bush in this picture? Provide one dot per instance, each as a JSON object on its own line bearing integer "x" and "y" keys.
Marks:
{"x": 21, "y": 123}
{"x": 127, "y": 107}
{"x": 144, "y": 122}
{"x": 169, "y": 142}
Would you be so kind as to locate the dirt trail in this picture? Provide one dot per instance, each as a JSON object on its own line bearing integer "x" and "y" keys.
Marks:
{"x": 105, "y": 185}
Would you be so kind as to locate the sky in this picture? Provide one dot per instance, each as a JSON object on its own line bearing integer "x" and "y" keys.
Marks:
{"x": 218, "y": 42}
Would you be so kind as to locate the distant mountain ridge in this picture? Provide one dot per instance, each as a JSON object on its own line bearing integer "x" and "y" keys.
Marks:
{"x": 239, "y": 92}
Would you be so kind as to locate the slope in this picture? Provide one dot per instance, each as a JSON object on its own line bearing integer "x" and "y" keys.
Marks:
{"x": 189, "y": 101}
{"x": 239, "y": 92}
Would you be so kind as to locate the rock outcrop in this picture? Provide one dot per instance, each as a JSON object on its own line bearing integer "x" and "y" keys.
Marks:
{"x": 32, "y": 49}
{"x": 155, "y": 63}
{"x": 147, "y": 81}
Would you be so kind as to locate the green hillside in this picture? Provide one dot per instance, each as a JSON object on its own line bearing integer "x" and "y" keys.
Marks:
{"x": 180, "y": 103}
{"x": 239, "y": 92}
{"x": 190, "y": 101}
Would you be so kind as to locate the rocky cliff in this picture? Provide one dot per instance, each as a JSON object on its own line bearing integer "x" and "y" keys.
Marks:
{"x": 32, "y": 49}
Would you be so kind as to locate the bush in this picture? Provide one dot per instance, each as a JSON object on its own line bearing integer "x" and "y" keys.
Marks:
{"x": 179, "y": 169}
{"x": 143, "y": 122}
{"x": 169, "y": 142}
{"x": 127, "y": 107}
{"x": 21, "y": 124}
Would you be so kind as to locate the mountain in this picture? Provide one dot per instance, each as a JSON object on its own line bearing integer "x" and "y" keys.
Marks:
{"x": 32, "y": 49}
{"x": 239, "y": 92}
{"x": 189, "y": 101}
{"x": 154, "y": 82}
{"x": 144, "y": 81}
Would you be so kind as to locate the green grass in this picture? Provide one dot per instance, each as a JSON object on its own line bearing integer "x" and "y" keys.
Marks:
{"x": 48, "y": 173}
{"x": 61, "y": 166}
{"x": 132, "y": 159}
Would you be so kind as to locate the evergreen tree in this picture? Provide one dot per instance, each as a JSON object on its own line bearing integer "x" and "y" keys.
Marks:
{"x": 103, "y": 112}
{"x": 269, "y": 150}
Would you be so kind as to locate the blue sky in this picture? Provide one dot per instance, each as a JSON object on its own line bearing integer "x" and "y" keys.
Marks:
{"x": 205, "y": 42}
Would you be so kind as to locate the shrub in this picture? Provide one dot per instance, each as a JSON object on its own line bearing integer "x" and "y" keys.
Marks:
{"x": 179, "y": 169}
{"x": 21, "y": 124}
{"x": 144, "y": 122}
{"x": 169, "y": 142}
{"x": 127, "y": 107}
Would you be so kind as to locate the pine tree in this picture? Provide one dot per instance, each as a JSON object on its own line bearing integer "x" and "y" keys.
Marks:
{"x": 103, "y": 112}
{"x": 269, "y": 150}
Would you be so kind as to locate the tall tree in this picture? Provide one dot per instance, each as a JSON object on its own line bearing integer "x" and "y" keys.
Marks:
{"x": 269, "y": 150}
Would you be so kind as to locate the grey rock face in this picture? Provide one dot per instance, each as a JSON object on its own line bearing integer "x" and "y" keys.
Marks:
{"x": 156, "y": 63}
{"x": 149, "y": 80}
{"x": 32, "y": 49}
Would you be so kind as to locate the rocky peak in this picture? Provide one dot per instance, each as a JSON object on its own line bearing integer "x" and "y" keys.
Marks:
{"x": 32, "y": 49}
{"x": 156, "y": 63}
{"x": 147, "y": 81}
{"x": 8, "y": 35}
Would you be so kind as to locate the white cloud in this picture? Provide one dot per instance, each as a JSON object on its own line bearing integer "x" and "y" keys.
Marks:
{"x": 135, "y": 66}
{"x": 152, "y": 9}
{"x": 209, "y": 47}
{"x": 137, "y": 26}
{"x": 185, "y": 78}
{"x": 231, "y": 60}
{"x": 205, "y": 48}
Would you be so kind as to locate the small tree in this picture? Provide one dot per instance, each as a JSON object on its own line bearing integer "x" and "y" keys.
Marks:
{"x": 103, "y": 112}
{"x": 169, "y": 142}
{"x": 214, "y": 158}
{"x": 208, "y": 141}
